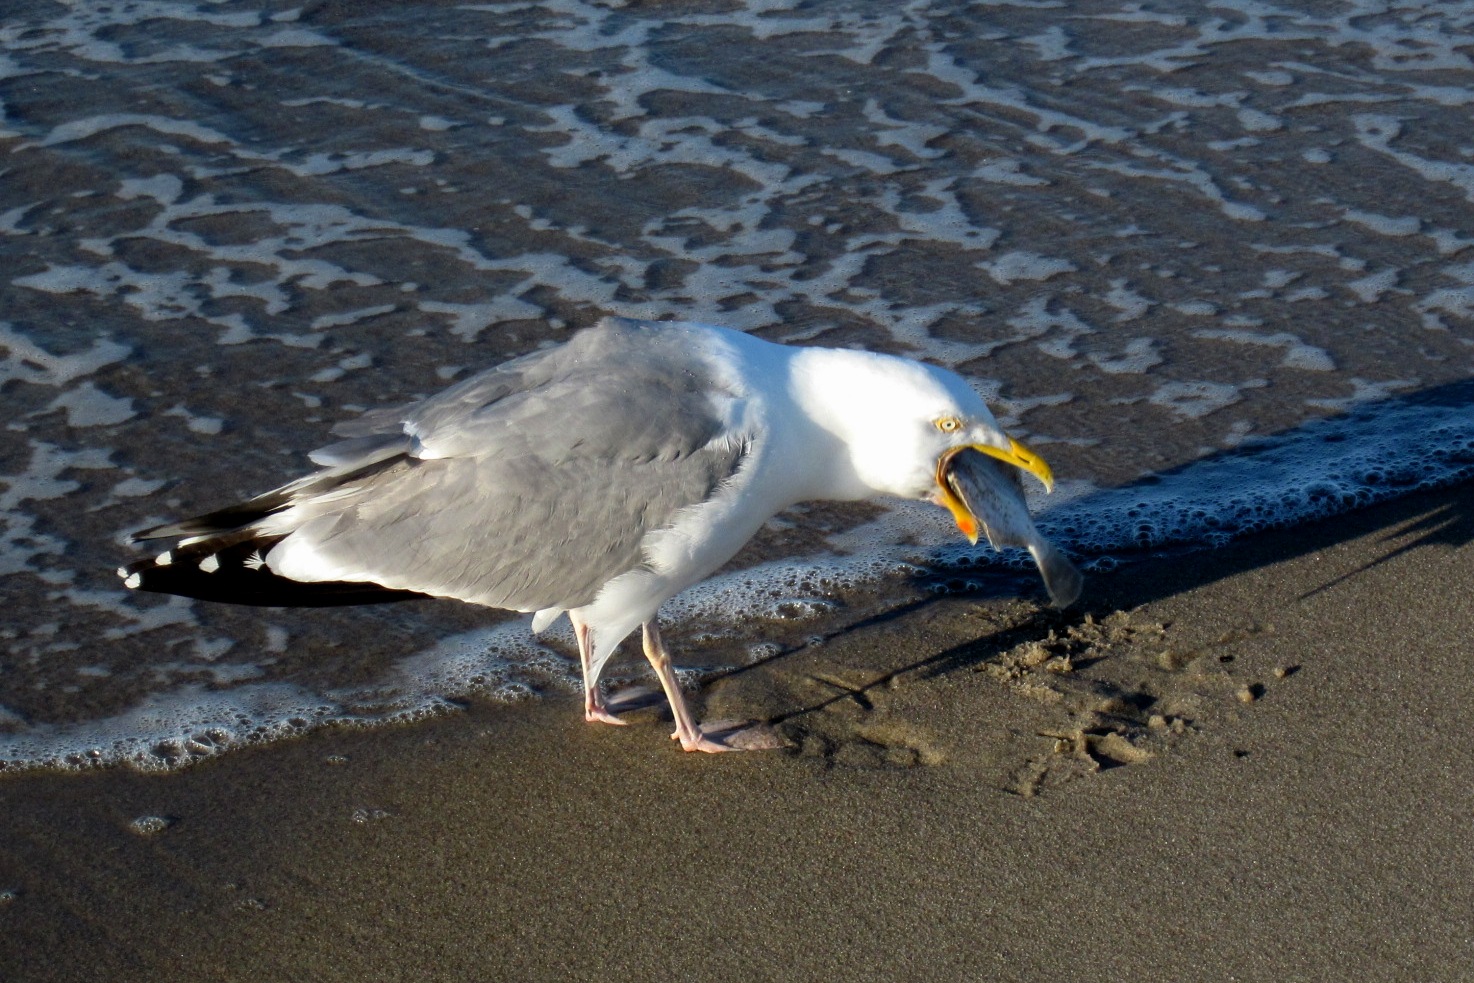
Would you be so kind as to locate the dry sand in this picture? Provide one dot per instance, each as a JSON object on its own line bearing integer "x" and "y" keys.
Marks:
{"x": 1250, "y": 764}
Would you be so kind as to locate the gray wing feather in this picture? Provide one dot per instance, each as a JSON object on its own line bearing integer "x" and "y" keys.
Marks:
{"x": 360, "y": 451}
{"x": 533, "y": 484}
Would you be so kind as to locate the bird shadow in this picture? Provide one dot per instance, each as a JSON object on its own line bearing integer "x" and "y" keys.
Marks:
{"x": 1450, "y": 524}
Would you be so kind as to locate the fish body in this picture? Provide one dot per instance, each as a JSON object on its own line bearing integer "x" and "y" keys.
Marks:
{"x": 994, "y": 494}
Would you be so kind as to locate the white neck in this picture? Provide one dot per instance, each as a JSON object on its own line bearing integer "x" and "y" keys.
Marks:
{"x": 848, "y": 418}
{"x": 833, "y": 389}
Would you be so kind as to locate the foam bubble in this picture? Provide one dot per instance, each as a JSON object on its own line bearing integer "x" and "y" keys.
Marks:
{"x": 1139, "y": 355}
{"x": 87, "y": 406}
{"x": 30, "y": 362}
{"x": 1191, "y": 400}
{"x": 167, "y": 730}
{"x": 1023, "y": 265}
{"x": 363, "y": 815}
{"x": 149, "y": 825}
{"x": 1370, "y": 454}
{"x": 1298, "y": 354}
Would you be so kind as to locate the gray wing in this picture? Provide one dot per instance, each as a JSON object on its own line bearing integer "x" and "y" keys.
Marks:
{"x": 533, "y": 484}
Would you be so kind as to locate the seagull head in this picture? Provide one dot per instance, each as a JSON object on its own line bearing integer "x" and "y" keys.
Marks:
{"x": 904, "y": 422}
{"x": 993, "y": 442}
{"x": 962, "y": 422}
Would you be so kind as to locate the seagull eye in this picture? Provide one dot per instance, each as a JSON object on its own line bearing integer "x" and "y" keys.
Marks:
{"x": 949, "y": 424}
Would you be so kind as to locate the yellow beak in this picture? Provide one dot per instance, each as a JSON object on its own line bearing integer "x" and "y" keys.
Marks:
{"x": 1017, "y": 454}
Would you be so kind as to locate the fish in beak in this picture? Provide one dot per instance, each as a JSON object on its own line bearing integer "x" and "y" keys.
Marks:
{"x": 986, "y": 497}
{"x": 1015, "y": 454}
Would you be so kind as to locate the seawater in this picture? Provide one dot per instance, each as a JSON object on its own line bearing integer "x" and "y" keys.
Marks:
{"x": 1213, "y": 260}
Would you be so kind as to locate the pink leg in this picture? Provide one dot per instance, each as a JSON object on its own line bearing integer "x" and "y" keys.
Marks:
{"x": 687, "y": 732}
{"x": 594, "y": 710}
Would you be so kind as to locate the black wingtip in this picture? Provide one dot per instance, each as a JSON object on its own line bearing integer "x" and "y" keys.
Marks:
{"x": 234, "y": 573}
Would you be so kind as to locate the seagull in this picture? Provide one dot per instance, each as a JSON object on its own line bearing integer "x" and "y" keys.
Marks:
{"x": 596, "y": 479}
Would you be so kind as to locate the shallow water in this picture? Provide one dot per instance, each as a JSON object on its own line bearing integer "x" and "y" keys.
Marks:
{"x": 1213, "y": 261}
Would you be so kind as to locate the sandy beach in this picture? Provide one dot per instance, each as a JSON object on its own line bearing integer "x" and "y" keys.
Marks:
{"x": 1248, "y": 764}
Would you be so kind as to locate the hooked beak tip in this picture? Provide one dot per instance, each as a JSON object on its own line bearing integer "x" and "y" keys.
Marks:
{"x": 1022, "y": 458}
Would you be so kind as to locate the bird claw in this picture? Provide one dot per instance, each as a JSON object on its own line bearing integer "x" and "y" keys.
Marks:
{"x": 700, "y": 742}
{"x": 730, "y": 736}
{"x": 600, "y": 715}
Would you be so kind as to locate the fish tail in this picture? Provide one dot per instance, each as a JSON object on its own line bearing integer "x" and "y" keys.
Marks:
{"x": 1062, "y": 578}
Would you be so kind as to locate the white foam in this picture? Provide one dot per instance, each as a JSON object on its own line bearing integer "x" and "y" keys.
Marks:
{"x": 29, "y": 362}
{"x": 172, "y": 729}
{"x": 1370, "y": 288}
{"x": 1298, "y": 354}
{"x": 1374, "y": 452}
{"x": 1024, "y": 265}
{"x": 296, "y": 37}
{"x": 1180, "y": 171}
{"x": 88, "y": 406}
{"x": 1191, "y": 400}
{"x": 1139, "y": 355}
{"x": 1405, "y": 225}
{"x": 1007, "y": 171}
{"x": 346, "y": 318}
{"x": 136, "y": 487}
{"x": 22, "y": 543}
{"x": 1053, "y": 327}
{"x": 1131, "y": 304}
{"x": 197, "y": 422}
{"x": 467, "y": 321}
{"x": 91, "y": 126}
{"x": 1379, "y": 133}
{"x": 347, "y": 364}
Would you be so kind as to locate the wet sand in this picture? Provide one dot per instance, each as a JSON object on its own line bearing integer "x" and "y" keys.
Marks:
{"x": 1248, "y": 764}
